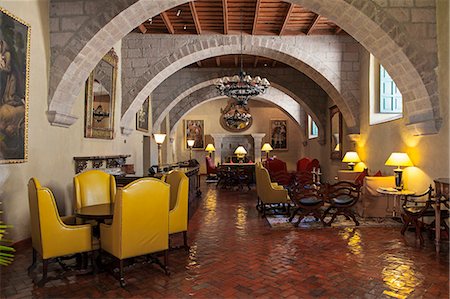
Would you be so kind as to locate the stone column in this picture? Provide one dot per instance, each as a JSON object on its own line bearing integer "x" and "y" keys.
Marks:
{"x": 218, "y": 145}
{"x": 257, "y": 140}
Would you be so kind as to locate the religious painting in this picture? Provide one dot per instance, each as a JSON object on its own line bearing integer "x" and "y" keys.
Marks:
{"x": 278, "y": 134}
{"x": 14, "y": 74}
{"x": 194, "y": 129}
{"x": 142, "y": 117}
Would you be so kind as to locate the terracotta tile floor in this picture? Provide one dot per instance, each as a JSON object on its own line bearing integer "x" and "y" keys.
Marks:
{"x": 235, "y": 254}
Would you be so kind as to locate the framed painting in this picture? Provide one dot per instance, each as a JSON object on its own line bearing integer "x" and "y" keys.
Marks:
{"x": 14, "y": 84}
{"x": 278, "y": 134}
{"x": 194, "y": 129}
{"x": 142, "y": 117}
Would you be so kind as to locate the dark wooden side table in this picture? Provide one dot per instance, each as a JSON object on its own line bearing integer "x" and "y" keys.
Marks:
{"x": 96, "y": 212}
{"x": 441, "y": 197}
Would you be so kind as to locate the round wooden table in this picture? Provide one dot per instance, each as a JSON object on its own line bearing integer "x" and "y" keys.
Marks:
{"x": 96, "y": 212}
{"x": 397, "y": 194}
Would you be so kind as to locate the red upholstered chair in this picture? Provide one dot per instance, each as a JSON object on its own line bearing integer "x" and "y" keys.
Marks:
{"x": 303, "y": 164}
{"x": 278, "y": 171}
{"x": 211, "y": 169}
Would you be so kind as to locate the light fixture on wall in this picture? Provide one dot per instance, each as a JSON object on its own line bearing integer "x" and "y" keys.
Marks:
{"x": 398, "y": 159}
{"x": 190, "y": 143}
{"x": 242, "y": 87}
{"x": 240, "y": 152}
{"x": 351, "y": 158}
{"x": 159, "y": 139}
{"x": 266, "y": 148}
{"x": 210, "y": 148}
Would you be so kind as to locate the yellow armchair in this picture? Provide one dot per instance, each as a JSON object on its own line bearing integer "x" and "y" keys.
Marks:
{"x": 50, "y": 236}
{"x": 93, "y": 187}
{"x": 140, "y": 224}
{"x": 268, "y": 192}
{"x": 178, "y": 210}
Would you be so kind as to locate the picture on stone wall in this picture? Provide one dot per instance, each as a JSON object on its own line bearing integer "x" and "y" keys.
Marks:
{"x": 14, "y": 73}
{"x": 142, "y": 117}
{"x": 278, "y": 134}
{"x": 194, "y": 129}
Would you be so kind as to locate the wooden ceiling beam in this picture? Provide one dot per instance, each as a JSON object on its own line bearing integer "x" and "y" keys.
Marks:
{"x": 236, "y": 60}
{"x": 198, "y": 28}
{"x": 313, "y": 24}
{"x": 255, "y": 63}
{"x": 273, "y": 63}
{"x": 142, "y": 28}
{"x": 225, "y": 16}
{"x": 286, "y": 18}
{"x": 338, "y": 30}
{"x": 199, "y": 63}
{"x": 255, "y": 20}
{"x": 167, "y": 22}
{"x": 218, "y": 61}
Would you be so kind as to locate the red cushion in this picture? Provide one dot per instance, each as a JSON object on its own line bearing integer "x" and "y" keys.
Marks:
{"x": 360, "y": 179}
{"x": 378, "y": 173}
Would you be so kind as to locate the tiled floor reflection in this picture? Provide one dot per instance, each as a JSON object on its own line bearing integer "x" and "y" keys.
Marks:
{"x": 235, "y": 254}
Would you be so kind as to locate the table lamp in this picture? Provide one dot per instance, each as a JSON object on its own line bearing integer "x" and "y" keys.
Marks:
{"x": 398, "y": 159}
{"x": 240, "y": 153}
{"x": 210, "y": 148}
{"x": 351, "y": 158}
{"x": 266, "y": 148}
{"x": 159, "y": 139}
{"x": 190, "y": 143}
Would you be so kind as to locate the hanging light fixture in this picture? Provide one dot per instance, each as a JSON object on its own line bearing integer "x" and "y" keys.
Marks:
{"x": 242, "y": 87}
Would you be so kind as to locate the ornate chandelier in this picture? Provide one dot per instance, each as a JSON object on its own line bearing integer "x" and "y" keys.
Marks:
{"x": 242, "y": 87}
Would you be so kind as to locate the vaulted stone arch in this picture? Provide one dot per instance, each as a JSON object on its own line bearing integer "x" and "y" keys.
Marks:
{"x": 295, "y": 85}
{"x": 198, "y": 48}
{"x": 374, "y": 24}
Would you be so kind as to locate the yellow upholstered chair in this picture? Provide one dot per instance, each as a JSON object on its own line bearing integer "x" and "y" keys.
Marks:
{"x": 178, "y": 208}
{"x": 93, "y": 187}
{"x": 50, "y": 236}
{"x": 140, "y": 224}
{"x": 268, "y": 192}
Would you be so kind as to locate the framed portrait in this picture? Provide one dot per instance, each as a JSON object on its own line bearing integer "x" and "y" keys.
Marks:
{"x": 142, "y": 117}
{"x": 278, "y": 134}
{"x": 194, "y": 129}
{"x": 14, "y": 84}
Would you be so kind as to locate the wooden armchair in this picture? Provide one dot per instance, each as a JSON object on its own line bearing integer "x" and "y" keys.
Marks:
{"x": 414, "y": 207}
{"x": 308, "y": 202}
{"x": 342, "y": 197}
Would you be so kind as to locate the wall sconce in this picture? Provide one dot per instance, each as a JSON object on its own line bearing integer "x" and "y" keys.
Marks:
{"x": 398, "y": 159}
{"x": 266, "y": 148}
{"x": 159, "y": 139}
{"x": 190, "y": 143}
{"x": 351, "y": 158}
{"x": 210, "y": 148}
{"x": 240, "y": 152}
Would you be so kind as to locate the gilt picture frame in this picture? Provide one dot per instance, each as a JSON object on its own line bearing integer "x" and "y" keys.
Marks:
{"x": 279, "y": 134}
{"x": 194, "y": 129}
{"x": 14, "y": 87}
{"x": 142, "y": 117}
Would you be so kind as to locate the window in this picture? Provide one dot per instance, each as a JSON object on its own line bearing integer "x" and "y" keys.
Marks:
{"x": 390, "y": 96}
{"x": 385, "y": 100}
{"x": 313, "y": 130}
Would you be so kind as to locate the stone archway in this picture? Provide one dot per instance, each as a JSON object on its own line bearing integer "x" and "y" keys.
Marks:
{"x": 410, "y": 64}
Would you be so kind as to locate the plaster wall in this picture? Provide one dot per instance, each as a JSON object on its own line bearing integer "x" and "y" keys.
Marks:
{"x": 51, "y": 149}
{"x": 210, "y": 113}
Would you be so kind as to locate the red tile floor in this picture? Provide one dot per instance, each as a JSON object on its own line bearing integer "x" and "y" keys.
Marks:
{"x": 235, "y": 254}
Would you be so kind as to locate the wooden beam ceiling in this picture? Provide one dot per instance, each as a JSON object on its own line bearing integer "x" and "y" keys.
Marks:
{"x": 225, "y": 16}
{"x": 255, "y": 20}
{"x": 286, "y": 18}
{"x": 313, "y": 24}
{"x": 198, "y": 28}
{"x": 142, "y": 28}
{"x": 167, "y": 22}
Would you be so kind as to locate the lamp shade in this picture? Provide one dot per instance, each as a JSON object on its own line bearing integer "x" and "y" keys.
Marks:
{"x": 351, "y": 157}
{"x": 190, "y": 142}
{"x": 399, "y": 159}
{"x": 266, "y": 147}
{"x": 210, "y": 147}
{"x": 159, "y": 138}
{"x": 240, "y": 151}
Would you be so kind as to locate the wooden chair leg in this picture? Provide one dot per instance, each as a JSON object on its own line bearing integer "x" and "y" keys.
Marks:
{"x": 121, "y": 278}
{"x": 351, "y": 215}
{"x": 44, "y": 278}
{"x": 185, "y": 243}
{"x": 33, "y": 263}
